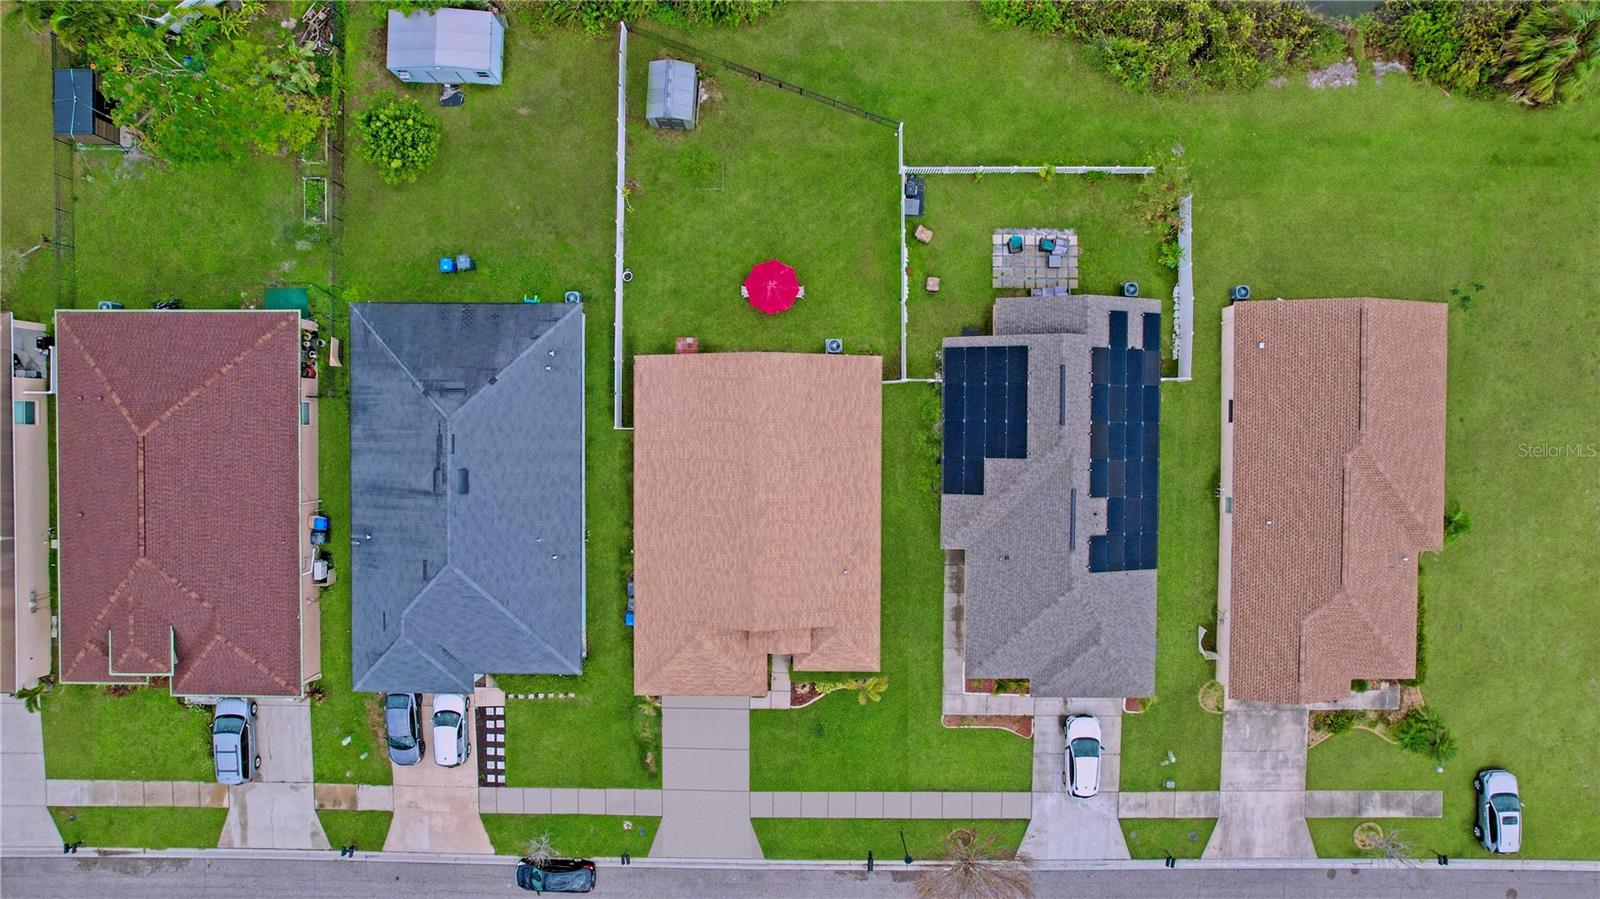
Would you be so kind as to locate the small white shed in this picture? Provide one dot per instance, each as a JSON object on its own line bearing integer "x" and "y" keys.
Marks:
{"x": 447, "y": 46}
{"x": 672, "y": 95}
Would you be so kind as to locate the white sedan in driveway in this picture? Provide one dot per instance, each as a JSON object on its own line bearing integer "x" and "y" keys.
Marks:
{"x": 450, "y": 747}
{"x": 1083, "y": 755}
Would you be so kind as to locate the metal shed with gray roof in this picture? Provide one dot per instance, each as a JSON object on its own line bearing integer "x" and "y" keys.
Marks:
{"x": 447, "y": 46}
{"x": 467, "y": 493}
{"x": 672, "y": 95}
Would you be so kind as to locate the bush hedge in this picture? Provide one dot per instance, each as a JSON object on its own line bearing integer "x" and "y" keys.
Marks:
{"x": 597, "y": 16}
{"x": 1162, "y": 45}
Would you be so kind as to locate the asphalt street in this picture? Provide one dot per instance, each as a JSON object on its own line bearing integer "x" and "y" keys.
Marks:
{"x": 135, "y": 877}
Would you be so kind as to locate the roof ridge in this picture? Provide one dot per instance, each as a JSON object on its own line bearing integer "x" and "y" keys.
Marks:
{"x": 493, "y": 382}
{"x": 94, "y": 366}
{"x": 494, "y": 601}
{"x": 355, "y": 313}
{"x": 214, "y": 377}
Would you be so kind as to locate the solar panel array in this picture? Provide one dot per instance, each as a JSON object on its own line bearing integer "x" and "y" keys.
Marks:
{"x": 1125, "y": 444}
{"x": 985, "y": 411}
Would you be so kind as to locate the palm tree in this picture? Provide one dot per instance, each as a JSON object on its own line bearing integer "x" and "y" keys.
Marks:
{"x": 1554, "y": 53}
{"x": 974, "y": 868}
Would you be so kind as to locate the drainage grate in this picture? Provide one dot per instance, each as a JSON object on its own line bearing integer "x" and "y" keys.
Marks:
{"x": 492, "y": 746}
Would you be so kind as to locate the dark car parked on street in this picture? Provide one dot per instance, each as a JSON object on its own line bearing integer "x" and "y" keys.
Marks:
{"x": 402, "y": 717}
{"x": 556, "y": 875}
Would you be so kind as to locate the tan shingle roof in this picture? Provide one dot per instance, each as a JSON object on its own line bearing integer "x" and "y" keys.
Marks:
{"x": 757, "y": 517}
{"x": 1339, "y": 444}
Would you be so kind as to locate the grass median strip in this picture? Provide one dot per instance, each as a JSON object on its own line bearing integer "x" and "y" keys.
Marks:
{"x": 846, "y": 839}
{"x": 366, "y": 830}
{"x": 143, "y": 828}
{"x": 574, "y": 836}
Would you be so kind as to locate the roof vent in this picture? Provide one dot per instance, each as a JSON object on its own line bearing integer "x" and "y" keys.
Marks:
{"x": 461, "y": 481}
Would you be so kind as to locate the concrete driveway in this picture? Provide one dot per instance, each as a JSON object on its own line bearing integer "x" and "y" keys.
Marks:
{"x": 1063, "y": 826}
{"x": 279, "y": 810}
{"x": 705, "y": 779}
{"x": 24, "y": 818}
{"x": 436, "y": 809}
{"x": 1263, "y": 810}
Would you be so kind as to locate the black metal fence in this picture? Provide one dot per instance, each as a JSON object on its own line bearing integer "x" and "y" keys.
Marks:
{"x": 748, "y": 72}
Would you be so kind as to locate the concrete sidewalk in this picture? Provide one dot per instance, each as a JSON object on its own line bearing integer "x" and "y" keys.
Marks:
{"x": 705, "y": 743}
{"x": 100, "y": 793}
{"x": 24, "y": 818}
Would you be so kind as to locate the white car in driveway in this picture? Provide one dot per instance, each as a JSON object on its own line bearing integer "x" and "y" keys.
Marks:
{"x": 1083, "y": 756}
{"x": 450, "y": 746}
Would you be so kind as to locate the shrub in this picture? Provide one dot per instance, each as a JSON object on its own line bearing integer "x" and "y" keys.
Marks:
{"x": 1422, "y": 643}
{"x": 1166, "y": 45}
{"x": 1160, "y": 194}
{"x": 1458, "y": 46}
{"x": 1335, "y": 722}
{"x": 400, "y": 136}
{"x": 1424, "y": 732}
{"x": 1554, "y": 53}
{"x": 1359, "y": 685}
{"x": 1456, "y": 521}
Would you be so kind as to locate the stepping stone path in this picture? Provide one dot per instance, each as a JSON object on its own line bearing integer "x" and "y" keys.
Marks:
{"x": 492, "y": 746}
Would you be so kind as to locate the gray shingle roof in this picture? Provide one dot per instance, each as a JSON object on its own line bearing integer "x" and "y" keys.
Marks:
{"x": 466, "y": 468}
{"x": 1032, "y": 608}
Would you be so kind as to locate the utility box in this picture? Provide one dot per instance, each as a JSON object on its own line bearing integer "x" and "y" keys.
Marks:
{"x": 672, "y": 99}
{"x": 447, "y": 46}
{"x": 82, "y": 113}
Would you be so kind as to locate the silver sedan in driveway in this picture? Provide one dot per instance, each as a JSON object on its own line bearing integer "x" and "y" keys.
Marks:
{"x": 233, "y": 741}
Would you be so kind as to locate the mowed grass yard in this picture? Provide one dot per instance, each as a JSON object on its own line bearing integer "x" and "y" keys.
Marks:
{"x": 523, "y": 183}
{"x": 767, "y": 174}
{"x": 1390, "y": 189}
{"x": 27, "y": 285}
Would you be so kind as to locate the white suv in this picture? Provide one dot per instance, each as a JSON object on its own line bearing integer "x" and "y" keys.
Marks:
{"x": 1083, "y": 755}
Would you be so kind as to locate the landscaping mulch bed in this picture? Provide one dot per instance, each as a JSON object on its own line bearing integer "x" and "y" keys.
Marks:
{"x": 979, "y": 685}
{"x": 1021, "y": 725}
{"x": 802, "y": 694}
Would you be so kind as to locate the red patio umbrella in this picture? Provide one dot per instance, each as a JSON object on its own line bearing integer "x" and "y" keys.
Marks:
{"x": 772, "y": 287}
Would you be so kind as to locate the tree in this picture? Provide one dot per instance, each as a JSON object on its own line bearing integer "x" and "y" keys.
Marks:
{"x": 228, "y": 83}
{"x": 1554, "y": 53}
{"x": 539, "y": 849}
{"x": 974, "y": 868}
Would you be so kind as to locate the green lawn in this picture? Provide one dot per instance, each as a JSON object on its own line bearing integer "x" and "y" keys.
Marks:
{"x": 212, "y": 235}
{"x": 963, "y": 212}
{"x": 366, "y": 830}
{"x": 144, "y": 735}
{"x": 27, "y": 285}
{"x": 576, "y": 836}
{"x": 840, "y": 839}
{"x": 1155, "y": 837}
{"x": 900, "y": 742}
{"x": 766, "y": 174}
{"x": 141, "y": 828}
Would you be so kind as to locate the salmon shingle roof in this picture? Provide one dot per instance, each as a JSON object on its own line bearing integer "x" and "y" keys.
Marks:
{"x": 1338, "y": 484}
{"x": 757, "y": 518}
{"x": 178, "y": 484}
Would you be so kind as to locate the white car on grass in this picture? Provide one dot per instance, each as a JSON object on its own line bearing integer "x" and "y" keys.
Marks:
{"x": 450, "y": 746}
{"x": 1083, "y": 755}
